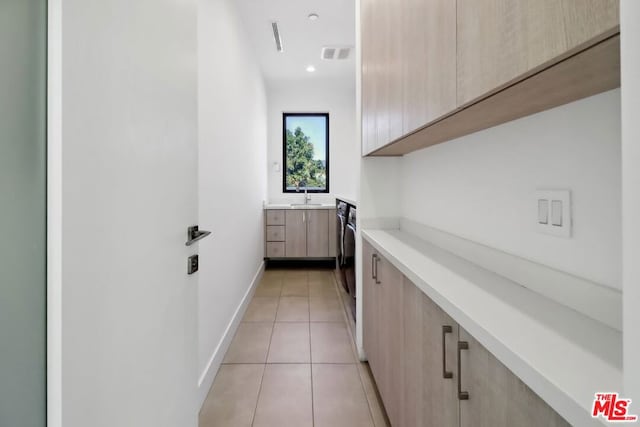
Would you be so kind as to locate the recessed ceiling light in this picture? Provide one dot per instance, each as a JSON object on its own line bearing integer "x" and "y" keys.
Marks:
{"x": 311, "y": 68}
{"x": 313, "y": 16}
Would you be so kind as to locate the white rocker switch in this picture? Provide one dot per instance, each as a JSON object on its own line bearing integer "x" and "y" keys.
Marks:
{"x": 556, "y": 213}
{"x": 543, "y": 211}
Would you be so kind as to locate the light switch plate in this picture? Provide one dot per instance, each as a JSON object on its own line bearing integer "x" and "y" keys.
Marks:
{"x": 558, "y": 216}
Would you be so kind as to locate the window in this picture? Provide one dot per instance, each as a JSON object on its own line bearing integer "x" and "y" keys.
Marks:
{"x": 305, "y": 147}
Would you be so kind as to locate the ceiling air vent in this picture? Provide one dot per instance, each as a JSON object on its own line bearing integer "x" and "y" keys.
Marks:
{"x": 335, "y": 52}
{"x": 276, "y": 36}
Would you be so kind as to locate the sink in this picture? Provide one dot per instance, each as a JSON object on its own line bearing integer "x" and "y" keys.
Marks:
{"x": 304, "y": 205}
{"x": 299, "y": 205}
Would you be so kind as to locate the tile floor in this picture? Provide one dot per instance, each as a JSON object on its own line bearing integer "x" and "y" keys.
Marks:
{"x": 292, "y": 361}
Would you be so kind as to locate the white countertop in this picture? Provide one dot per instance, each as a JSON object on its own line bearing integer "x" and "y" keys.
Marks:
{"x": 349, "y": 200}
{"x": 270, "y": 206}
{"x": 562, "y": 355}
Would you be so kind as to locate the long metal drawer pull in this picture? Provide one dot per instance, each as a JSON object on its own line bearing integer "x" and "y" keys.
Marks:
{"x": 446, "y": 329}
{"x": 373, "y": 263}
{"x": 194, "y": 234}
{"x": 376, "y": 264}
{"x": 462, "y": 395}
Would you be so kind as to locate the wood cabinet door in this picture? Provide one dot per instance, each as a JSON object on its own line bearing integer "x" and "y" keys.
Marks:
{"x": 380, "y": 51}
{"x": 429, "y": 60}
{"x": 439, "y": 394}
{"x": 497, "y": 397}
{"x": 370, "y": 309}
{"x": 585, "y": 20}
{"x": 390, "y": 339}
{"x": 413, "y": 357}
{"x": 500, "y": 40}
{"x": 295, "y": 234}
{"x": 317, "y": 233}
{"x": 396, "y": 62}
{"x": 368, "y": 85}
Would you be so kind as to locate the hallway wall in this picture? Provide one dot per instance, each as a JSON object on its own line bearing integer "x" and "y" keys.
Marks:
{"x": 482, "y": 186}
{"x": 317, "y": 96}
{"x": 232, "y": 171}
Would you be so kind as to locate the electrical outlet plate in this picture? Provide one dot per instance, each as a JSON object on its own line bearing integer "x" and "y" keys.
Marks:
{"x": 557, "y": 220}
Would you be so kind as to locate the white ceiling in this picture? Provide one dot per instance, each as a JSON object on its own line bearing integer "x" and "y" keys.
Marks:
{"x": 302, "y": 38}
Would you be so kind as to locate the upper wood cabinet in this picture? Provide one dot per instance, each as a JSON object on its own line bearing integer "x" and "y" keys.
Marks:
{"x": 408, "y": 66}
{"x": 435, "y": 70}
{"x": 429, "y": 73}
{"x": 368, "y": 73}
{"x": 588, "y": 20}
{"x": 381, "y": 73}
{"x": 499, "y": 40}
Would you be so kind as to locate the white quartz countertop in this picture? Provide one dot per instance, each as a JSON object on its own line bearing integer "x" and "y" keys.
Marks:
{"x": 270, "y": 206}
{"x": 350, "y": 200}
{"x": 562, "y": 355}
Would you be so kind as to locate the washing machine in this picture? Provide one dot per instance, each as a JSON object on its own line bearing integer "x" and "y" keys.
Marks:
{"x": 342, "y": 212}
{"x": 350, "y": 257}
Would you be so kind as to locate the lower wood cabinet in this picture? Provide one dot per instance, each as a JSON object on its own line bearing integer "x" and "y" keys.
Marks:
{"x": 496, "y": 396}
{"x": 317, "y": 233}
{"x": 299, "y": 233}
{"x": 383, "y": 324}
{"x": 370, "y": 309}
{"x": 431, "y": 372}
{"x": 295, "y": 234}
{"x": 430, "y": 338}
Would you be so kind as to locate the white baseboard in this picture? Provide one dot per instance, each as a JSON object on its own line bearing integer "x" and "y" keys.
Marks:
{"x": 206, "y": 378}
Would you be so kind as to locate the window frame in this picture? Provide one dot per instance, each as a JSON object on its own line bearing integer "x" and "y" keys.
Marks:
{"x": 284, "y": 151}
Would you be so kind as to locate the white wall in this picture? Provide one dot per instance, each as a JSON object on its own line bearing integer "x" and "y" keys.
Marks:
{"x": 630, "y": 27}
{"x": 232, "y": 165}
{"x": 124, "y": 158}
{"x": 312, "y": 96}
{"x": 482, "y": 186}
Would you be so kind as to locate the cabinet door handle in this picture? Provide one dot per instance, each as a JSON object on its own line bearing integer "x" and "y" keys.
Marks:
{"x": 446, "y": 329}
{"x": 373, "y": 263}
{"x": 462, "y": 395}
{"x": 304, "y": 217}
{"x": 377, "y": 258}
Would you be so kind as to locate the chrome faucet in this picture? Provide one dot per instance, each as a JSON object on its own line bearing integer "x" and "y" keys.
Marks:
{"x": 307, "y": 198}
